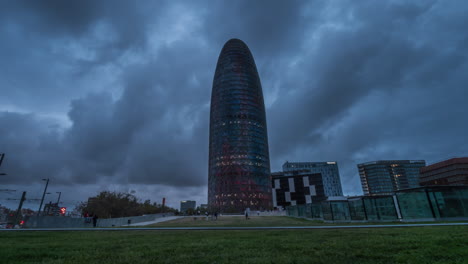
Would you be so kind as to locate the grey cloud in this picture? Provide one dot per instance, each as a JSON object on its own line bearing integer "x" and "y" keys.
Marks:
{"x": 32, "y": 146}
{"x": 348, "y": 66}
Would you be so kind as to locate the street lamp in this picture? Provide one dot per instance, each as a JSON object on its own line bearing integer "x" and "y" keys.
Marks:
{"x": 43, "y": 195}
{"x": 58, "y": 200}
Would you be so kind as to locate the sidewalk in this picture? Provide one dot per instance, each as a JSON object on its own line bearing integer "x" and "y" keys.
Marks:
{"x": 158, "y": 220}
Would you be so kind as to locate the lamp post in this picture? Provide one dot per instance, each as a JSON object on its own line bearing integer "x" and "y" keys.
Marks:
{"x": 43, "y": 196}
{"x": 58, "y": 200}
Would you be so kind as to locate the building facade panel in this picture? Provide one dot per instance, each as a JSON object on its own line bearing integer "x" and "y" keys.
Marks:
{"x": 296, "y": 188}
{"x": 328, "y": 170}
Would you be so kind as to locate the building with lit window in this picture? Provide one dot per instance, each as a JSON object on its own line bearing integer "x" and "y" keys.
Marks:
{"x": 389, "y": 176}
{"x": 449, "y": 172}
{"x": 328, "y": 170}
{"x": 296, "y": 188}
{"x": 239, "y": 164}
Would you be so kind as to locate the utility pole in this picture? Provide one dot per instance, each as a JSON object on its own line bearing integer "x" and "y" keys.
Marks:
{"x": 43, "y": 196}
{"x": 20, "y": 206}
{"x": 58, "y": 200}
{"x": 2, "y": 155}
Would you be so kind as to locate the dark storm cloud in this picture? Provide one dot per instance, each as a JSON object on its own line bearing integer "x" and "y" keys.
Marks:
{"x": 77, "y": 40}
{"x": 33, "y": 145}
{"x": 153, "y": 132}
{"x": 373, "y": 89}
{"x": 55, "y": 18}
{"x": 270, "y": 28}
{"x": 112, "y": 92}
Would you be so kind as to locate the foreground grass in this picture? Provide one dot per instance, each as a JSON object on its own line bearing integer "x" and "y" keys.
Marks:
{"x": 389, "y": 245}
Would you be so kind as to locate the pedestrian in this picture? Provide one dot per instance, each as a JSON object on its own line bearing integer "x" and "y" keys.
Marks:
{"x": 87, "y": 218}
{"x": 216, "y": 215}
{"x": 95, "y": 218}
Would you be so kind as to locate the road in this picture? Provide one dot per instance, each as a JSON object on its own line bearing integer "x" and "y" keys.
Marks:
{"x": 233, "y": 228}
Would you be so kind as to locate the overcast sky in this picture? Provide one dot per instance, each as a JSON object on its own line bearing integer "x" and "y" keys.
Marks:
{"x": 115, "y": 95}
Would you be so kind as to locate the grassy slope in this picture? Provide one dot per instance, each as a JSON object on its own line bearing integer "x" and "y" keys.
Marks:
{"x": 235, "y": 221}
{"x": 392, "y": 245}
{"x": 254, "y": 221}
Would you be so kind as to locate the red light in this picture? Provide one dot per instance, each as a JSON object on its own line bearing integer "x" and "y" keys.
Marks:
{"x": 63, "y": 210}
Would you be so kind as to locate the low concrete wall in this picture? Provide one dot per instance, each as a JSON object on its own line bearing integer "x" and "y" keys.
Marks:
{"x": 109, "y": 222}
{"x": 69, "y": 222}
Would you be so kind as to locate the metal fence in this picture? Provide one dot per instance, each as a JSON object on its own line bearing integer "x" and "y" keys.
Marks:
{"x": 70, "y": 222}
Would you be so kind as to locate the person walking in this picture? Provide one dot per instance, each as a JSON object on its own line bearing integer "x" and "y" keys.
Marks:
{"x": 95, "y": 218}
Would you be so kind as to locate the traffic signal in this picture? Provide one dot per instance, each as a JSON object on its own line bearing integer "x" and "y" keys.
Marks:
{"x": 63, "y": 210}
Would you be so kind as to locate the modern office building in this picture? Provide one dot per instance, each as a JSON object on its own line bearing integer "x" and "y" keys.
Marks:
{"x": 423, "y": 203}
{"x": 186, "y": 205}
{"x": 389, "y": 176}
{"x": 296, "y": 188}
{"x": 328, "y": 170}
{"x": 239, "y": 164}
{"x": 449, "y": 172}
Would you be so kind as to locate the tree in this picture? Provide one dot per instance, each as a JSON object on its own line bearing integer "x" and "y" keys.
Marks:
{"x": 117, "y": 204}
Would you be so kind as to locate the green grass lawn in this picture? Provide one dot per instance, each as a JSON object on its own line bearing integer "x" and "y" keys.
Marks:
{"x": 448, "y": 244}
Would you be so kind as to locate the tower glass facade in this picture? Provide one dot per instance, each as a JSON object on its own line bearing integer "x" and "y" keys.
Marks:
{"x": 239, "y": 164}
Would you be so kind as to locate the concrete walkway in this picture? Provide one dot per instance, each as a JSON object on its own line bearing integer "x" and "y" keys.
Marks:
{"x": 233, "y": 228}
{"x": 157, "y": 220}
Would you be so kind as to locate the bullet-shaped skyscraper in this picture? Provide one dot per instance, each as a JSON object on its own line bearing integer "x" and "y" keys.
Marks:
{"x": 239, "y": 163}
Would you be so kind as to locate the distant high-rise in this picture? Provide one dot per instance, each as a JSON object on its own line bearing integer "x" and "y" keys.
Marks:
{"x": 448, "y": 172}
{"x": 186, "y": 205}
{"x": 388, "y": 176}
{"x": 239, "y": 163}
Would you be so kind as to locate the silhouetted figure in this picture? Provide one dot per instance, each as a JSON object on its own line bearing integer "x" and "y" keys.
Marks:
{"x": 95, "y": 218}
